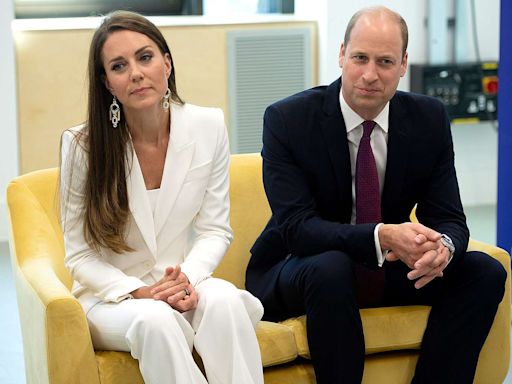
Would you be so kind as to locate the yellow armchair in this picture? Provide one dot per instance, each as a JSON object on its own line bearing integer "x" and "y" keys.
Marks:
{"x": 56, "y": 338}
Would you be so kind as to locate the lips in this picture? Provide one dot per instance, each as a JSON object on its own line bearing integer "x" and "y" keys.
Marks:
{"x": 139, "y": 91}
{"x": 368, "y": 91}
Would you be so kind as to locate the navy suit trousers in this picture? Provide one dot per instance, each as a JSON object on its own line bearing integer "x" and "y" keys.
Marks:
{"x": 464, "y": 302}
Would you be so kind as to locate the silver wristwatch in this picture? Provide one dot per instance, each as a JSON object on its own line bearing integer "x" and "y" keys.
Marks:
{"x": 448, "y": 243}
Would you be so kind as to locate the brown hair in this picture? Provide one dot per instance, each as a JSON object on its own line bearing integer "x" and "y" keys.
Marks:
{"x": 399, "y": 19}
{"x": 106, "y": 206}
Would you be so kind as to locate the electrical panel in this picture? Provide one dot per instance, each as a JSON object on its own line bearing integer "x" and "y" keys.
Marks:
{"x": 469, "y": 91}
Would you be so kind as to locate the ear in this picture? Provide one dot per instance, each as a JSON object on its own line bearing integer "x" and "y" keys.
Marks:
{"x": 168, "y": 65}
{"x": 341, "y": 57}
{"x": 403, "y": 65}
{"x": 107, "y": 84}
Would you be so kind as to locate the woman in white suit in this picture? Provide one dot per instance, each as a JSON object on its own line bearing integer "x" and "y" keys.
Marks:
{"x": 145, "y": 213}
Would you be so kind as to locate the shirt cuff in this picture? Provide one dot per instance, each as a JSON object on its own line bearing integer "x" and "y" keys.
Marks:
{"x": 381, "y": 254}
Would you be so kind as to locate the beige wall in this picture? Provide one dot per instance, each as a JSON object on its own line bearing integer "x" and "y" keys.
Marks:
{"x": 51, "y": 71}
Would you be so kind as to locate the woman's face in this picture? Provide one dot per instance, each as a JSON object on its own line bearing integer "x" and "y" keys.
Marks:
{"x": 136, "y": 71}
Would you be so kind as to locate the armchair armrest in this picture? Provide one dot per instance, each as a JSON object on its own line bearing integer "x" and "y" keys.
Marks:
{"x": 56, "y": 338}
{"x": 498, "y": 340}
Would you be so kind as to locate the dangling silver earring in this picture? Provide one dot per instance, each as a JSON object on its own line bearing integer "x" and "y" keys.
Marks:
{"x": 115, "y": 113}
{"x": 165, "y": 103}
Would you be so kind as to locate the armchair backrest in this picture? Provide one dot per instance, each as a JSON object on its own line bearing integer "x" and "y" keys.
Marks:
{"x": 249, "y": 215}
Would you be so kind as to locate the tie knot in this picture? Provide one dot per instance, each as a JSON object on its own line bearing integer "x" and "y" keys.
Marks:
{"x": 368, "y": 126}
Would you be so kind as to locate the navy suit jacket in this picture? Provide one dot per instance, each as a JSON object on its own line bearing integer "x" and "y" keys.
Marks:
{"x": 308, "y": 182}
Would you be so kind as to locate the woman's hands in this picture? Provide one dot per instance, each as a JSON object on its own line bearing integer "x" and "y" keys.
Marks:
{"x": 173, "y": 288}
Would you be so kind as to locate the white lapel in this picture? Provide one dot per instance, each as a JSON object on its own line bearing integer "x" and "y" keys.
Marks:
{"x": 179, "y": 156}
{"x": 139, "y": 200}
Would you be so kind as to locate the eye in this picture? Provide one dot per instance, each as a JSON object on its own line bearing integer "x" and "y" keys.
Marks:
{"x": 116, "y": 67}
{"x": 387, "y": 62}
{"x": 360, "y": 58}
{"x": 146, "y": 56}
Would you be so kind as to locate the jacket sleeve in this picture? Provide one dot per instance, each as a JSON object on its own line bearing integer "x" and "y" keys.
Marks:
{"x": 87, "y": 266}
{"x": 211, "y": 230}
{"x": 291, "y": 198}
{"x": 440, "y": 208}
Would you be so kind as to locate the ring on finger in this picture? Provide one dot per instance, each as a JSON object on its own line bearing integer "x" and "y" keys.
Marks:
{"x": 187, "y": 292}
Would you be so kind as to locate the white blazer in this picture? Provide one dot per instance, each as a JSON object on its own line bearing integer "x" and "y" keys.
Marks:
{"x": 190, "y": 225}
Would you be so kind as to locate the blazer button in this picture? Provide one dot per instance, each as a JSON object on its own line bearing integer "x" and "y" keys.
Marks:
{"x": 147, "y": 264}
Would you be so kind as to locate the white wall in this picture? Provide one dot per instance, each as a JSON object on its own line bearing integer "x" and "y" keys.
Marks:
{"x": 8, "y": 111}
{"x": 476, "y": 173}
{"x": 333, "y": 17}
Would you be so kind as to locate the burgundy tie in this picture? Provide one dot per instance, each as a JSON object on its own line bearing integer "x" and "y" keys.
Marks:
{"x": 369, "y": 283}
{"x": 367, "y": 180}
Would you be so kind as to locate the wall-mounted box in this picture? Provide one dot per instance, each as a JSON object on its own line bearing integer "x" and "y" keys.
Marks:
{"x": 469, "y": 91}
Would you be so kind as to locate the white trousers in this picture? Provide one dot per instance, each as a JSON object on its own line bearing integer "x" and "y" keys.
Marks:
{"x": 221, "y": 329}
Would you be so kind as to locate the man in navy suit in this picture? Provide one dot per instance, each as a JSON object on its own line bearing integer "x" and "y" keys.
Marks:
{"x": 340, "y": 239}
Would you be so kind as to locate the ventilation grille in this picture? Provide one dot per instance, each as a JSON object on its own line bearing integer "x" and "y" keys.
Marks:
{"x": 263, "y": 67}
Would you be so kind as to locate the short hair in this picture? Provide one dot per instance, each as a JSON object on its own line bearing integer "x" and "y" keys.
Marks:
{"x": 379, "y": 9}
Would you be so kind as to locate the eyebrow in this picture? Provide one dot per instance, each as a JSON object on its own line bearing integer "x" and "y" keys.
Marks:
{"x": 136, "y": 52}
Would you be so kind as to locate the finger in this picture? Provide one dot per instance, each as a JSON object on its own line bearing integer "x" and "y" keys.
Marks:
{"x": 423, "y": 281}
{"x": 426, "y": 246}
{"x": 406, "y": 259}
{"x": 441, "y": 260}
{"x": 158, "y": 287}
{"x": 182, "y": 278}
{"x": 175, "y": 273}
{"x": 420, "y": 238}
{"x": 185, "y": 291}
{"x": 184, "y": 305}
{"x": 427, "y": 260}
{"x": 162, "y": 285}
{"x": 427, "y": 278}
{"x": 185, "y": 277}
{"x": 416, "y": 274}
{"x": 429, "y": 233}
{"x": 170, "y": 290}
{"x": 188, "y": 303}
{"x": 424, "y": 270}
{"x": 391, "y": 256}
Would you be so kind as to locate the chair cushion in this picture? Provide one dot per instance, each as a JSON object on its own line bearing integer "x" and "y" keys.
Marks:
{"x": 277, "y": 343}
{"x": 385, "y": 329}
{"x": 118, "y": 367}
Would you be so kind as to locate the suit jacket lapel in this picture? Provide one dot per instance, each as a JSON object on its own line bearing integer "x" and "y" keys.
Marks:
{"x": 179, "y": 156}
{"x": 335, "y": 134}
{"x": 139, "y": 201}
{"x": 398, "y": 137}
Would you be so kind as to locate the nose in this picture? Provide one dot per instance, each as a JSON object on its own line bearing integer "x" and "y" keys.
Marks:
{"x": 370, "y": 72}
{"x": 136, "y": 73}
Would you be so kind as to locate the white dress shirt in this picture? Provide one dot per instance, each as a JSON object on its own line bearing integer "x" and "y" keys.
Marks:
{"x": 379, "y": 144}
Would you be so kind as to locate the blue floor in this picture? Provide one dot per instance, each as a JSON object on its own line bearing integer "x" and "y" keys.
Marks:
{"x": 481, "y": 221}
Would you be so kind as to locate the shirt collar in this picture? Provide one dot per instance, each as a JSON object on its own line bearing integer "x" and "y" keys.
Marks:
{"x": 353, "y": 120}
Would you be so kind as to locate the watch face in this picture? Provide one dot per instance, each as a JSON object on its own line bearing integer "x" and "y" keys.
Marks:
{"x": 447, "y": 242}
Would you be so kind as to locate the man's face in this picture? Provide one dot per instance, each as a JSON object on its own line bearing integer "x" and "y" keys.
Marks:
{"x": 372, "y": 64}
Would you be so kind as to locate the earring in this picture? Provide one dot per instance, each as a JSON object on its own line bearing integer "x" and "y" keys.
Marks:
{"x": 165, "y": 103}
{"x": 115, "y": 113}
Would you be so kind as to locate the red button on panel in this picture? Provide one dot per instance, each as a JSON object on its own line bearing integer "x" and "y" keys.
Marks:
{"x": 490, "y": 85}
